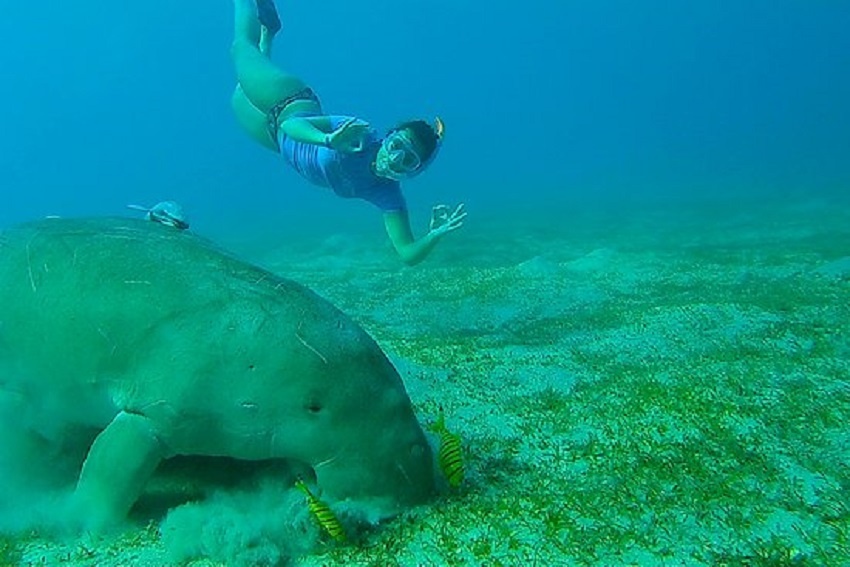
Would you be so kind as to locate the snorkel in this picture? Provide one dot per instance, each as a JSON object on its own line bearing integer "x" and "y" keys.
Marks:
{"x": 439, "y": 129}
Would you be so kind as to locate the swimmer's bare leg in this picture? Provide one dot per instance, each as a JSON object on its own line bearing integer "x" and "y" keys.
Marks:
{"x": 246, "y": 24}
{"x": 254, "y": 122}
{"x": 262, "y": 82}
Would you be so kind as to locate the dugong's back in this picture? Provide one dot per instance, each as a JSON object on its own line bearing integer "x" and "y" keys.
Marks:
{"x": 75, "y": 286}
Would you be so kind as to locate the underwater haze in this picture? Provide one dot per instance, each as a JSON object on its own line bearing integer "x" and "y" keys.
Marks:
{"x": 636, "y": 344}
{"x": 545, "y": 101}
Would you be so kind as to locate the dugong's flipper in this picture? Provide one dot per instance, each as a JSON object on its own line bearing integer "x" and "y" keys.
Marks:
{"x": 122, "y": 458}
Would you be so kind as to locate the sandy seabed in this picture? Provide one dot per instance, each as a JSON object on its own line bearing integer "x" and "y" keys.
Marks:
{"x": 644, "y": 387}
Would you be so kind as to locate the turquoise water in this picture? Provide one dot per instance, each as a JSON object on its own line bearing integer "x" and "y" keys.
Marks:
{"x": 640, "y": 334}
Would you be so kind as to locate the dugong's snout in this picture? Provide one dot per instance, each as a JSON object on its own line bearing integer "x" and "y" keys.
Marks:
{"x": 365, "y": 444}
{"x": 395, "y": 473}
{"x": 356, "y": 426}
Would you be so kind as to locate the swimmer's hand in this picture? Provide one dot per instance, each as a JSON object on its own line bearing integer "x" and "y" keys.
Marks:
{"x": 443, "y": 221}
{"x": 350, "y": 137}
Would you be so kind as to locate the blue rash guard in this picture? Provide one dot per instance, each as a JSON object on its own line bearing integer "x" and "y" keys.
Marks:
{"x": 348, "y": 174}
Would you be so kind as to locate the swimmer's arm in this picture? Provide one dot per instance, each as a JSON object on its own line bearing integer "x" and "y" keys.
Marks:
{"x": 308, "y": 129}
{"x": 347, "y": 137}
{"x": 411, "y": 250}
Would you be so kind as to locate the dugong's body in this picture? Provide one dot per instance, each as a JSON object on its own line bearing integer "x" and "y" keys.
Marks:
{"x": 167, "y": 346}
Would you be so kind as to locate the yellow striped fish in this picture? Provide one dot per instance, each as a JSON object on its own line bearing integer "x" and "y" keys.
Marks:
{"x": 450, "y": 455}
{"x": 322, "y": 512}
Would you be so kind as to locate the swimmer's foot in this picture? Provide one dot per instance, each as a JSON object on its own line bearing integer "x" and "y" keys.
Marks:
{"x": 268, "y": 16}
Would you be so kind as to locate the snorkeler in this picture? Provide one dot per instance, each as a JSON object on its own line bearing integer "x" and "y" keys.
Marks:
{"x": 343, "y": 153}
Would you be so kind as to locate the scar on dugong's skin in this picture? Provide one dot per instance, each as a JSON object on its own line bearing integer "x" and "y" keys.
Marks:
{"x": 169, "y": 346}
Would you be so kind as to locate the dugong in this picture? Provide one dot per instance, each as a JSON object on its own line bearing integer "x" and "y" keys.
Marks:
{"x": 161, "y": 344}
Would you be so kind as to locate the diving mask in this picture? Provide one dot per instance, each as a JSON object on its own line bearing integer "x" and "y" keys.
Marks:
{"x": 401, "y": 155}
{"x": 399, "y": 158}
